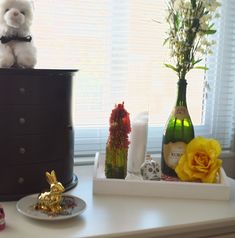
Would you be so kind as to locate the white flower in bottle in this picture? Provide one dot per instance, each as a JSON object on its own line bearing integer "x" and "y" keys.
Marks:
{"x": 213, "y": 5}
{"x": 187, "y": 5}
{"x": 206, "y": 3}
{"x": 210, "y": 52}
{"x": 190, "y": 21}
{"x": 205, "y": 42}
{"x": 178, "y": 4}
{"x": 201, "y": 50}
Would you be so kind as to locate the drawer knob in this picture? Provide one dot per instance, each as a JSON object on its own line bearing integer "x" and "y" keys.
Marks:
{"x": 20, "y": 180}
{"x": 22, "y": 150}
{"x": 22, "y": 90}
{"x": 22, "y": 121}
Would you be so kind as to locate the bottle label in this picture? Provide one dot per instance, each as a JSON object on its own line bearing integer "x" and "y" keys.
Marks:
{"x": 172, "y": 153}
{"x": 180, "y": 112}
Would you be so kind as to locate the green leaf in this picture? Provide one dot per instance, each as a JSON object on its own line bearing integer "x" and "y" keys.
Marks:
{"x": 209, "y": 32}
{"x": 201, "y": 67}
{"x": 211, "y": 26}
{"x": 176, "y": 21}
{"x": 196, "y": 62}
{"x": 166, "y": 40}
{"x": 171, "y": 67}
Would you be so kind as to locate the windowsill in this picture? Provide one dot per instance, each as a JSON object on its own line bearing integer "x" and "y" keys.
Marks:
{"x": 84, "y": 161}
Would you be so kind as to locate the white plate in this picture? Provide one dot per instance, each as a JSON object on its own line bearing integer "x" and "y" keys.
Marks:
{"x": 26, "y": 204}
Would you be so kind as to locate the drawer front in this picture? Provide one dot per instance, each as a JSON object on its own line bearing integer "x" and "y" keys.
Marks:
{"x": 31, "y": 179}
{"x": 36, "y": 148}
{"x": 35, "y": 90}
{"x": 33, "y": 120}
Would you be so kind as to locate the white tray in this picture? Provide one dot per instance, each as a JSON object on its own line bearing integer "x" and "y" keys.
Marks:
{"x": 102, "y": 185}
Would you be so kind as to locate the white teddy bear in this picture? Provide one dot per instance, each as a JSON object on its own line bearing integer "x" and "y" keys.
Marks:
{"x": 16, "y": 46}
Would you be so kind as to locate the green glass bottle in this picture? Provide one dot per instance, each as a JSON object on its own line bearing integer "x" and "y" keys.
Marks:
{"x": 178, "y": 133}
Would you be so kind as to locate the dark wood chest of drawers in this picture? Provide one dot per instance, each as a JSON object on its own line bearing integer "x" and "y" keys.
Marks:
{"x": 36, "y": 132}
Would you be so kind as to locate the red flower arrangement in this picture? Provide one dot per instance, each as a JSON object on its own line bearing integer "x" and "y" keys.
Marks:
{"x": 118, "y": 143}
{"x": 119, "y": 128}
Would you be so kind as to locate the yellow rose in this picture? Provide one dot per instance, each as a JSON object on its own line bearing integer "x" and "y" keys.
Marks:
{"x": 200, "y": 162}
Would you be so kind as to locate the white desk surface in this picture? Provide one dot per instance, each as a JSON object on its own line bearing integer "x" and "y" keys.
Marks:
{"x": 126, "y": 216}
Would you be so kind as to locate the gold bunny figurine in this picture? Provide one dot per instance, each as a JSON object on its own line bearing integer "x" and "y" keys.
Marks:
{"x": 50, "y": 202}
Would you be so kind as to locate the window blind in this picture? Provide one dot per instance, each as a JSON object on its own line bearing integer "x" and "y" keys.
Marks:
{"x": 221, "y": 78}
{"x": 118, "y": 48}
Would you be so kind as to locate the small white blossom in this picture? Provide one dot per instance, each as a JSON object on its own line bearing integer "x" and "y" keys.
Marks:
{"x": 205, "y": 42}
{"x": 178, "y": 4}
{"x": 201, "y": 50}
{"x": 204, "y": 22}
{"x": 190, "y": 22}
{"x": 187, "y": 5}
{"x": 210, "y": 52}
{"x": 203, "y": 26}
